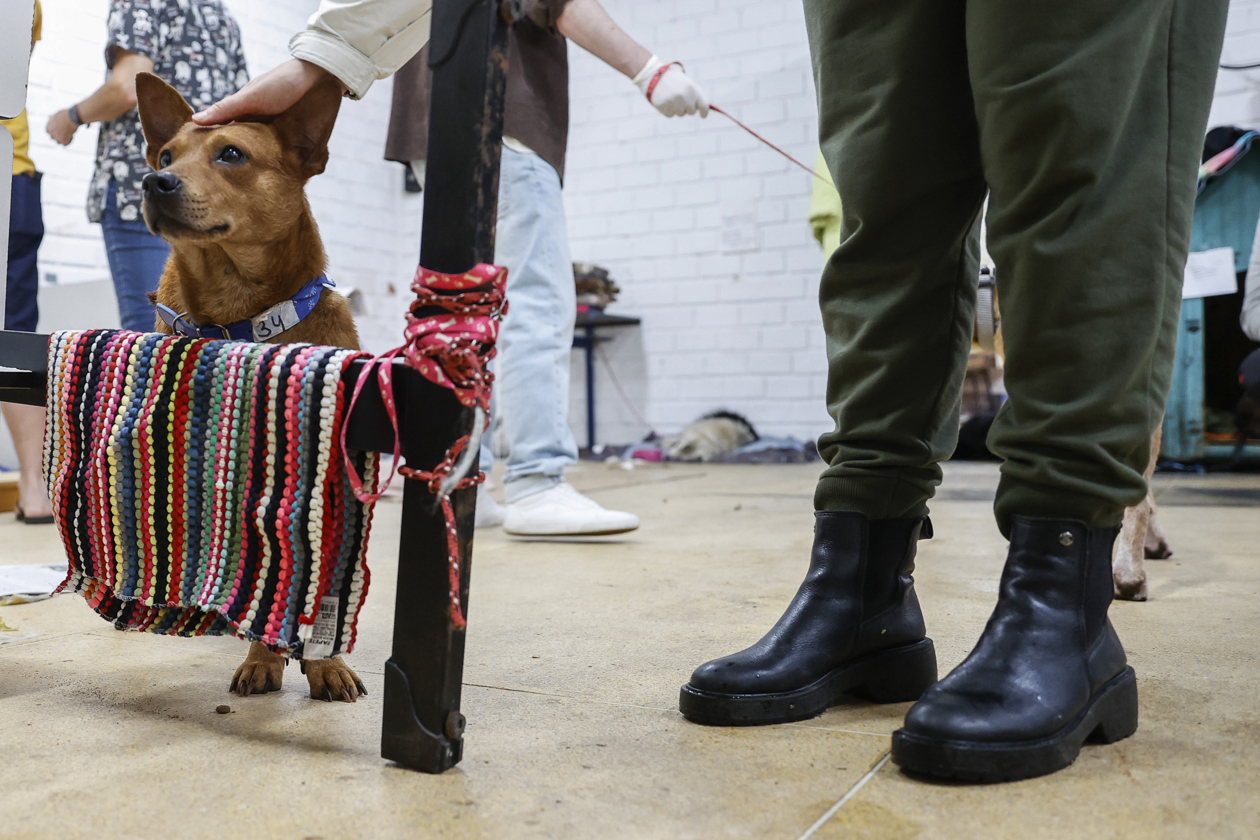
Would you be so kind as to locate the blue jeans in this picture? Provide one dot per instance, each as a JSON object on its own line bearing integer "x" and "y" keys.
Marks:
{"x": 26, "y": 231}
{"x": 136, "y": 260}
{"x": 532, "y": 368}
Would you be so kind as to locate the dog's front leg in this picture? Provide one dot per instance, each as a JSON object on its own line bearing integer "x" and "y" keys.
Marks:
{"x": 332, "y": 679}
{"x": 1128, "y": 568}
{"x": 1157, "y": 547}
{"x": 261, "y": 672}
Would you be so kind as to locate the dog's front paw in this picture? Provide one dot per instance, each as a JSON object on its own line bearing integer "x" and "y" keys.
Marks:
{"x": 332, "y": 679}
{"x": 261, "y": 672}
{"x": 1156, "y": 547}
{"x": 1128, "y": 589}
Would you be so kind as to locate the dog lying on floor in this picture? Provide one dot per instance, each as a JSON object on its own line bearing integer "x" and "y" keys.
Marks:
{"x": 245, "y": 254}
{"x": 712, "y": 436}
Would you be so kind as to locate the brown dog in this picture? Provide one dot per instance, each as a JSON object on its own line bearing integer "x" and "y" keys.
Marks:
{"x": 230, "y": 201}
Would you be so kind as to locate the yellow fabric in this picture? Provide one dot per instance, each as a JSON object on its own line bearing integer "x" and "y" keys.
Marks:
{"x": 824, "y": 210}
{"x": 22, "y": 163}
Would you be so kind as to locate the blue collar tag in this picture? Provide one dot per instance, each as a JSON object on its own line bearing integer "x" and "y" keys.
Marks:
{"x": 264, "y": 326}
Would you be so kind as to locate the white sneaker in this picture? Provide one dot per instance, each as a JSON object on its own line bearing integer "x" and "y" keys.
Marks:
{"x": 489, "y": 512}
{"x": 561, "y": 511}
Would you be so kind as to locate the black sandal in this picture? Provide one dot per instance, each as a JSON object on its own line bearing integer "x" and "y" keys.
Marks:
{"x": 33, "y": 520}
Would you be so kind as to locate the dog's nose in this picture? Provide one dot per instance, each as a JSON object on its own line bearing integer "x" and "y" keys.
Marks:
{"x": 162, "y": 184}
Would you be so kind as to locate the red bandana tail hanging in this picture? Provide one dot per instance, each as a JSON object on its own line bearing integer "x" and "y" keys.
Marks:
{"x": 452, "y": 327}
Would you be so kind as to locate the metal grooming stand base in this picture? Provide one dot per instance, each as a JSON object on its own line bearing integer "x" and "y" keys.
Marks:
{"x": 422, "y": 727}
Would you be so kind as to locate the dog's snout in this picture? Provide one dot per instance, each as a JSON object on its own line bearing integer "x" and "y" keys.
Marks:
{"x": 162, "y": 184}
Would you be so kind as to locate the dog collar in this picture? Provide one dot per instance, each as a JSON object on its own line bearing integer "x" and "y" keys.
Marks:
{"x": 266, "y": 325}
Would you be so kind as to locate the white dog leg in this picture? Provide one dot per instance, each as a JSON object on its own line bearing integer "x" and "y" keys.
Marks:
{"x": 1128, "y": 567}
{"x": 1128, "y": 571}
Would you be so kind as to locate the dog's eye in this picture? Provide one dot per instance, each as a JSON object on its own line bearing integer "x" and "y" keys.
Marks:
{"x": 164, "y": 159}
{"x": 231, "y": 155}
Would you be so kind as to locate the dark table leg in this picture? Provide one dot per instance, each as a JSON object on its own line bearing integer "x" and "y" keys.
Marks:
{"x": 422, "y": 726}
{"x": 590, "y": 387}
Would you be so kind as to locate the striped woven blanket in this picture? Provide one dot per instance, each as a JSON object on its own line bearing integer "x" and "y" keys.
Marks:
{"x": 199, "y": 487}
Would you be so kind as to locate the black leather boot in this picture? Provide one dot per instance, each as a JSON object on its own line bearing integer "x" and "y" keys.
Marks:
{"x": 1047, "y": 673}
{"x": 853, "y": 627}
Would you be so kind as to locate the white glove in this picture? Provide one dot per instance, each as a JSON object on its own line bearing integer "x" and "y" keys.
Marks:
{"x": 675, "y": 94}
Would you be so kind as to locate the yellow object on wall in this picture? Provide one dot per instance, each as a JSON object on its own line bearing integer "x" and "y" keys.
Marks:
{"x": 824, "y": 210}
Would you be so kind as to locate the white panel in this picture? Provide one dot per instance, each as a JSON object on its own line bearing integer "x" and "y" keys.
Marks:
{"x": 16, "y": 21}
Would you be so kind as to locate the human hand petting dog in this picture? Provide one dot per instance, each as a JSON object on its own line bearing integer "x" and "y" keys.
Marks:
{"x": 274, "y": 92}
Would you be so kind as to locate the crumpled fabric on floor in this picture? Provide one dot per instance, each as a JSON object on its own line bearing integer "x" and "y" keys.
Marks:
{"x": 772, "y": 450}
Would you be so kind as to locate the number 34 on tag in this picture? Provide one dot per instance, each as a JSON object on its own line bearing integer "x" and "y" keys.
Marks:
{"x": 275, "y": 320}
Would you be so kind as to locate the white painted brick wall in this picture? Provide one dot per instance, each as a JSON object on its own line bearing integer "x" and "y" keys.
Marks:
{"x": 652, "y": 199}
{"x": 724, "y": 325}
{"x": 1237, "y": 99}
{"x": 369, "y": 225}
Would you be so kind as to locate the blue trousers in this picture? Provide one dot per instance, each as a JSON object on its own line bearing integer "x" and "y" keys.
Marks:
{"x": 136, "y": 260}
{"x": 532, "y": 368}
{"x": 26, "y": 231}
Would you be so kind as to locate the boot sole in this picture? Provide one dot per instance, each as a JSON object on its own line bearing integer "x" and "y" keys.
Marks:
{"x": 1112, "y": 715}
{"x": 898, "y": 675}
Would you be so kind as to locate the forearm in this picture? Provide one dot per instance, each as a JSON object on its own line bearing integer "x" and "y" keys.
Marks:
{"x": 359, "y": 41}
{"x": 111, "y": 100}
{"x": 118, "y": 95}
{"x": 585, "y": 23}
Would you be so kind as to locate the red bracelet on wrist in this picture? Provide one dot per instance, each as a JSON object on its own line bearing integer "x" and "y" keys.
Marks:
{"x": 656, "y": 77}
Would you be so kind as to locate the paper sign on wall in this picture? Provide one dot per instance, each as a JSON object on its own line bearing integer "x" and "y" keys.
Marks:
{"x": 1210, "y": 273}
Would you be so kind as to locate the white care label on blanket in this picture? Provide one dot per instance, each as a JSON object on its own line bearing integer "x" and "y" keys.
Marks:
{"x": 323, "y": 631}
{"x": 275, "y": 320}
{"x": 1210, "y": 273}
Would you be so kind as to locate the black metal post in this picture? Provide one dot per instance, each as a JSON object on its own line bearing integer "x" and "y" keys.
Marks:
{"x": 422, "y": 726}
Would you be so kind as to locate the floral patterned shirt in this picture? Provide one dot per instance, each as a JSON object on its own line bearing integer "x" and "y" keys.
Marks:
{"x": 195, "y": 46}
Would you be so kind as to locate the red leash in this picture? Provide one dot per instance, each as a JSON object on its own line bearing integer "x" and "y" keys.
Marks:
{"x": 661, "y": 72}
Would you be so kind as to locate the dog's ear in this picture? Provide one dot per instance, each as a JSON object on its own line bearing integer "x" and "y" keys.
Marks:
{"x": 163, "y": 112}
{"x": 304, "y": 129}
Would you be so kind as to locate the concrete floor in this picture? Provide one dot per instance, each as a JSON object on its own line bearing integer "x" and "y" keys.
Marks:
{"x": 576, "y": 651}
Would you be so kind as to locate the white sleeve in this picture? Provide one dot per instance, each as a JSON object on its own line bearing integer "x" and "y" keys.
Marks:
{"x": 360, "y": 41}
{"x": 1250, "y": 318}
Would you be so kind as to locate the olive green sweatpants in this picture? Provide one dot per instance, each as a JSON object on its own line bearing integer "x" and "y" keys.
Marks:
{"x": 1083, "y": 122}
